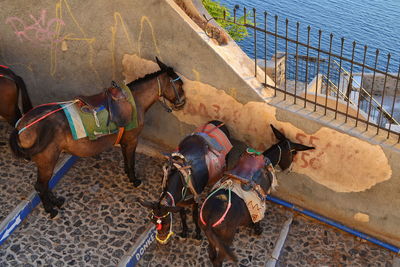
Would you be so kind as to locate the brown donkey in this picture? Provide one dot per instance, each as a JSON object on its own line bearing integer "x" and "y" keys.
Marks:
{"x": 200, "y": 160}
{"x": 43, "y": 141}
{"x": 10, "y": 86}
{"x": 225, "y": 209}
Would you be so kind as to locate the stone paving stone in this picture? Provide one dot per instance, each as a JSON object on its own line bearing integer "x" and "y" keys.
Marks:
{"x": 101, "y": 220}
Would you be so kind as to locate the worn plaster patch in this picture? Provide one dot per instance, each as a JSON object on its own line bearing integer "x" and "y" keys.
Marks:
{"x": 361, "y": 217}
{"x": 340, "y": 162}
{"x": 136, "y": 67}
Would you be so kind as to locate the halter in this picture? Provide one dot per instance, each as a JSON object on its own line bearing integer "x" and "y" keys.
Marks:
{"x": 280, "y": 154}
{"x": 162, "y": 96}
{"x": 159, "y": 221}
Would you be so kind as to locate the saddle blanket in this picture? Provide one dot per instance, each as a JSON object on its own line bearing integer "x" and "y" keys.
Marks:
{"x": 93, "y": 125}
{"x": 254, "y": 204}
{"x": 218, "y": 147}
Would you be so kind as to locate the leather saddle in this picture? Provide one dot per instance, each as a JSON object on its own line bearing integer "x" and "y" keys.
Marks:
{"x": 249, "y": 171}
{"x": 94, "y": 101}
{"x": 114, "y": 100}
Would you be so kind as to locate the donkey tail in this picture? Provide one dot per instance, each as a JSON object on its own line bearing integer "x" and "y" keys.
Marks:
{"x": 222, "y": 248}
{"x": 26, "y": 101}
{"x": 44, "y": 136}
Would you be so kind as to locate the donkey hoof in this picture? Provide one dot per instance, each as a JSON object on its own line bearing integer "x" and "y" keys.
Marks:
{"x": 136, "y": 182}
{"x": 59, "y": 202}
{"x": 53, "y": 214}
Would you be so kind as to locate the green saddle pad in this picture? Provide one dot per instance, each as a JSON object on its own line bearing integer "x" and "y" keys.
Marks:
{"x": 93, "y": 125}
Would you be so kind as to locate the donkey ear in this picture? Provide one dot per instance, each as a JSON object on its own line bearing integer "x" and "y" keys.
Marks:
{"x": 146, "y": 204}
{"x": 161, "y": 65}
{"x": 280, "y": 136}
{"x": 300, "y": 147}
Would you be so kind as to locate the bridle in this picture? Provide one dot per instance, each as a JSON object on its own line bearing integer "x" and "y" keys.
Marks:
{"x": 159, "y": 221}
{"x": 280, "y": 152}
{"x": 162, "y": 97}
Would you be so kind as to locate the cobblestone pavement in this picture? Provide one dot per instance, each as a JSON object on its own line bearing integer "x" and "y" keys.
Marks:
{"x": 101, "y": 220}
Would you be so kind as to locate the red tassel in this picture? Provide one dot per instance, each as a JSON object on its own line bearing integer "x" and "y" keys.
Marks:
{"x": 159, "y": 226}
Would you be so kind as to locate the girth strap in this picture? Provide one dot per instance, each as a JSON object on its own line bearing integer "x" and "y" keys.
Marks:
{"x": 119, "y": 136}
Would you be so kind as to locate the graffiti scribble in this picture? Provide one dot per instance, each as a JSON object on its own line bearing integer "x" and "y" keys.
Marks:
{"x": 38, "y": 31}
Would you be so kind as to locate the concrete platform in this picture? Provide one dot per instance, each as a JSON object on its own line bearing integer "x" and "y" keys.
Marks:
{"x": 101, "y": 220}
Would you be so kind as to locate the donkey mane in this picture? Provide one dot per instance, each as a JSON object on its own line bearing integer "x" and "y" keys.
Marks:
{"x": 149, "y": 76}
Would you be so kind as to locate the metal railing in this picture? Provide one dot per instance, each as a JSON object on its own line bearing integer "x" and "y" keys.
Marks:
{"x": 331, "y": 66}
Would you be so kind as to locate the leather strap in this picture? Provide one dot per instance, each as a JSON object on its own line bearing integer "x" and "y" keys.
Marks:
{"x": 119, "y": 135}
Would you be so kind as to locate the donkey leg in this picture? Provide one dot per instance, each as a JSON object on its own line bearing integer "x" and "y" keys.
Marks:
{"x": 57, "y": 201}
{"x": 182, "y": 213}
{"x": 129, "y": 151}
{"x": 212, "y": 253}
{"x": 126, "y": 168}
{"x": 46, "y": 162}
{"x": 43, "y": 190}
{"x": 195, "y": 214}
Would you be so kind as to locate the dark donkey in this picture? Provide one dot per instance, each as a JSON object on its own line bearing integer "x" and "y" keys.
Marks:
{"x": 43, "y": 141}
{"x": 10, "y": 86}
{"x": 200, "y": 161}
{"x": 239, "y": 198}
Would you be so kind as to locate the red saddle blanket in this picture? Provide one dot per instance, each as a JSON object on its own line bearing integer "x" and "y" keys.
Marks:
{"x": 215, "y": 157}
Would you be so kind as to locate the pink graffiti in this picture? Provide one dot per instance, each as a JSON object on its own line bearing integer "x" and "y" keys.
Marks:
{"x": 37, "y": 31}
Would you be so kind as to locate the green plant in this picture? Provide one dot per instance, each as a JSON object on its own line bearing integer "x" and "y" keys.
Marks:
{"x": 216, "y": 10}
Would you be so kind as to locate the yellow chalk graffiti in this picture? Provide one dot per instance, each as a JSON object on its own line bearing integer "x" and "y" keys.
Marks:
{"x": 118, "y": 20}
{"x": 233, "y": 92}
{"x": 75, "y": 32}
{"x": 196, "y": 74}
{"x": 143, "y": 19}
{"x": 71, "y": 37}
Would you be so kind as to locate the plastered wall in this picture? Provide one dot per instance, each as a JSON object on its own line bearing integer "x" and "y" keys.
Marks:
{"x": 66, "y": 48}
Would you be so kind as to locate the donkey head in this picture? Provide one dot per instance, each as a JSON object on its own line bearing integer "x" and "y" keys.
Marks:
{"x": 161, "y": 216}
{"x": 173, "y": 89}
{"x": 286, "y": 149}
